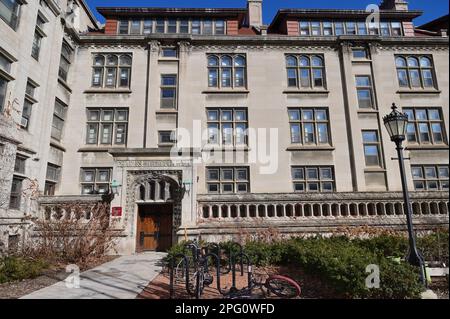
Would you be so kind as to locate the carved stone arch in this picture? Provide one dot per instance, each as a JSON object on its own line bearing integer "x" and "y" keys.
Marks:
{"x": 137, "y": 178}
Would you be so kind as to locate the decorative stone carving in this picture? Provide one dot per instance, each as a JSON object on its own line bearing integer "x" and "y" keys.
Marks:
{"x": 135, "y": 178}
{"x": 145, "y": 163}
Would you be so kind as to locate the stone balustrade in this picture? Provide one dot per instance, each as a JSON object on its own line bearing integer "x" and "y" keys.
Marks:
{"x": 316, "y": 206}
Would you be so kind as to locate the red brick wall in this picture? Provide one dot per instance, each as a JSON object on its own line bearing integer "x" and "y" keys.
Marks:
{"x": 111, "y": 26}
{"x": 408, "y": 28}
{"x": 292, "y": 28}
{"x": 232, "y": 27}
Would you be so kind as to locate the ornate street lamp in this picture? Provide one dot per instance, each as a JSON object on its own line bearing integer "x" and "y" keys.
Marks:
{"x": 396, "y": 123}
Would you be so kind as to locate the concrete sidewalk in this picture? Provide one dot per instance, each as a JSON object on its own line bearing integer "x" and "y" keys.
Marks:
{"x": 122, "y": 278}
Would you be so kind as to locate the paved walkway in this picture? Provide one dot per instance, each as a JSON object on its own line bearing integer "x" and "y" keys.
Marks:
{"x": 122, "y": 278}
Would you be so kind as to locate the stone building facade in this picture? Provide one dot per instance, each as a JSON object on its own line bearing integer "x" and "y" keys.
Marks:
{"x": 207, "y": 123}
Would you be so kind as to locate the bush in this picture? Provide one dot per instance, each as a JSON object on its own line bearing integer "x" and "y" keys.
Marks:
{"x": 18, "y": 268}
{"x": 341, "y": 262}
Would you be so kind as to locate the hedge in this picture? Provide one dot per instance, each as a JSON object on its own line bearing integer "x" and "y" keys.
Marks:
{"x": 15, "y": 268}
{"x": 341, "y": 262}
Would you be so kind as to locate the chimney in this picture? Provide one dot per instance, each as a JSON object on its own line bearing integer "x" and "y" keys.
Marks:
{"x": 254, "y": 12}
{"x": 397, "y": 5}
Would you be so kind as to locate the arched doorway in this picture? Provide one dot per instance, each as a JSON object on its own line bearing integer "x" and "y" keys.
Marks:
{"x": 157, "y": 196}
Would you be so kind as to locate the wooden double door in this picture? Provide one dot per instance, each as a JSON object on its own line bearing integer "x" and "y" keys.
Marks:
{"x": 154, "y": 227}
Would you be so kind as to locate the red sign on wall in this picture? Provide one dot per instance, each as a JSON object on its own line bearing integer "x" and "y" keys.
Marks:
{"x": 116, "y": 211}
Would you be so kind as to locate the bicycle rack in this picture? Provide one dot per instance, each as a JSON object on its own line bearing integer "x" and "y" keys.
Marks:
{"x": 201, "y": 257}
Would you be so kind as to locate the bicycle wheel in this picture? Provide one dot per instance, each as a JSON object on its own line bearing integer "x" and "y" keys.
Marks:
{"x": 283, "y": 287}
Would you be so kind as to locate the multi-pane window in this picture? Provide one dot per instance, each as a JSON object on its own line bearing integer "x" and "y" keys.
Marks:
{"x": 123, "y": 26}
{"x": 64, "y": 64}
{"x": 111, "y": 70}
{"x": 425, "y": 126}
{"x": 169, "y": 91}
{"x": 207, "y": 27}
{"x": 5, "y": 66}
{"x": 38, "y": 36}
{"x": 430, "y": 177}
{"x": 166, "y": 137}
{"x": 227, "y": 126}
{"x": 327, "y": 28}
{"x": 135, "y": 27}
{"x": 28, "y": 105}
{"x": 362, "y": 28}
{"x": 415, "y": 71}
{"x": 223, "y": 180}
{"x": 36, "y": 48}
{"x": 107, "y": 126}
{"x": 309, "y": 126}
{"x": 364, "y": 91}
{"x": 3, "y": 87}
{"x": 16, "y": 193}
{"x": 19, "y": 165}
{"x": 305, "y": 71}
{"x": 227, "y": 71}
{"x": 9, "y": 12}
{"x": 95, "y": 180}
{"x": 169, "y": 52}
{"x": 184, "y": 26}
{"x": 360, "y": 53}
{"x": 173, "y": 25}
{"x": 59, "y": 116}
{"x": 148, "y": 27}
{"x": 196, "y": 27}
{"x": 313, "y": 178}
{"x": 372, "y": 148}
{"x": 339, "y": 28}
{"x": 52, "y": 178}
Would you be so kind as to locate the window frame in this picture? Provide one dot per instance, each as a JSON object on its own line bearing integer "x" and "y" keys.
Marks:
{"x": 377, "y": 144}
{"x": 320, "y": 181}
{"x": 368, "y": 88}
{"x": 220, "y": 122}
{"x": 100, "y": 123}
{"x": 233, "y": 69}
{"x": 425, "y": 180}
{"x": 16, "y": 11}
{"x": 300, "y": 123}
{"x": 95, "y": 183}
{"x": 419, "y": 69}
{"x": 173, "y": 88}
{"x": 429, "y": 122}
{"x": 310, "y": 68}
{"x": 221, "y": 181}
{"x": 118, "y": 67}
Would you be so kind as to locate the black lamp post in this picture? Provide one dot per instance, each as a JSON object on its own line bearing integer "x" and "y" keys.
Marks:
{"x": 396, "y": 123}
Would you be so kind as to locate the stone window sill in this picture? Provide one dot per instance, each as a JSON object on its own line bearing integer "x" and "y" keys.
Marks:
{"x": 218, "y": 148}
{"x": 225, "y": 91}
{"x": 64, "y": 84}
{"x": 6, "y": 75}
{"x": 108, "y": 91}
{"x": 98, "y": 149}
{"x": 295, "y": 148}
{"x": 374, "y": 170}
{"x": 296, "y": 91}
{"x": 426, "y": 147}
{"x": 424, "y": 91}
{"x": 168, "y": 111}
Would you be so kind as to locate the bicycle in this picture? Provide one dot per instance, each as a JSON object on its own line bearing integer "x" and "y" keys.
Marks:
{"x": 281, "y": 286}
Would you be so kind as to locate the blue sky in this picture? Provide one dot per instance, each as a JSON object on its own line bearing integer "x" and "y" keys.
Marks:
{"x": 432, "y": 8}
